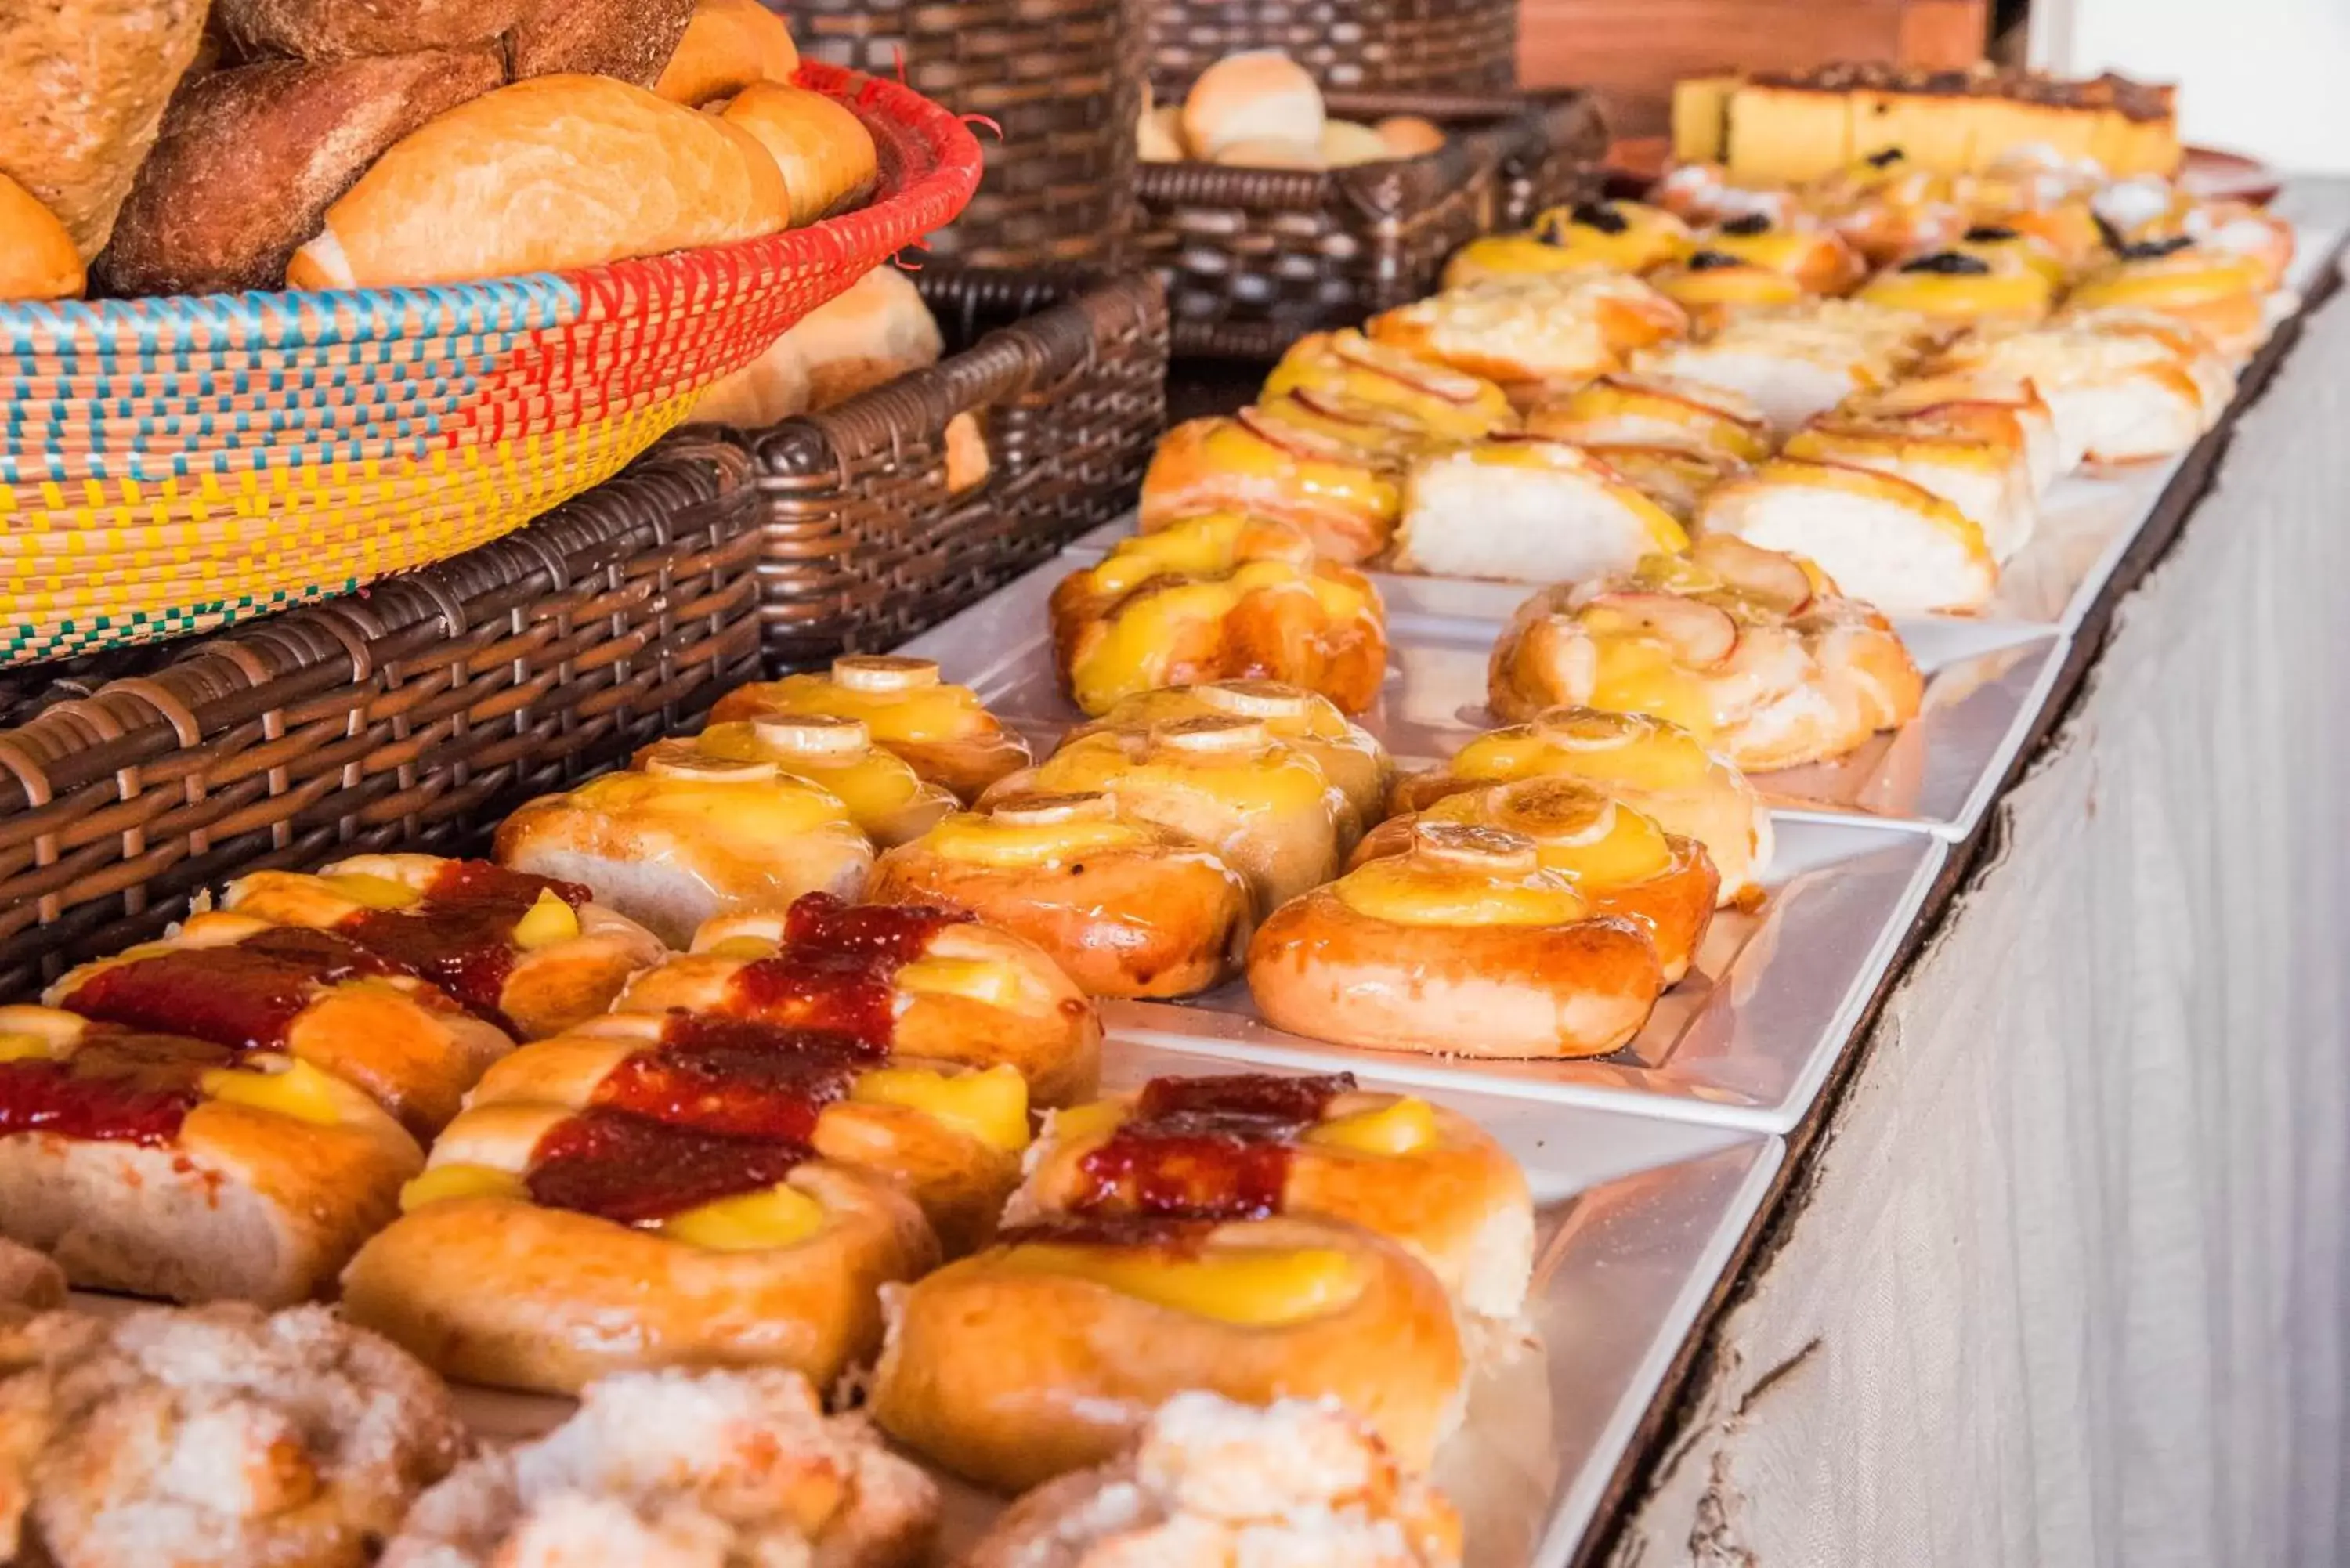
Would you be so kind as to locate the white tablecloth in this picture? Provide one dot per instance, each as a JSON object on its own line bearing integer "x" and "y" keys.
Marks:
{"x": 2069, "y": 1282}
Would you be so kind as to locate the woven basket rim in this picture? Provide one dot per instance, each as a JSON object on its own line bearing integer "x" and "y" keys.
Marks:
{"x": 929, "y": 200}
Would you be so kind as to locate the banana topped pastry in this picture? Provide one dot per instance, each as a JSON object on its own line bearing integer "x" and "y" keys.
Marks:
{"x": 2004, "y": 412}
{"x": 941, "y": 729}
{"x": 1214, "y": 598}
{"x": 1799, "y": 361}
{"x": 886, "y": 799}
{"x": 1752, "y": 651}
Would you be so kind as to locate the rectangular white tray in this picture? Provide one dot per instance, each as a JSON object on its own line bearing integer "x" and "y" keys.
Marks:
{"x": 1986, "y": 683}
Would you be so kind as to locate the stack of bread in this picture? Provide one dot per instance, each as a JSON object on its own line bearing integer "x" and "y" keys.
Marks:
{"x": 1261, "y": 110}
{"x": 168, "y": 147}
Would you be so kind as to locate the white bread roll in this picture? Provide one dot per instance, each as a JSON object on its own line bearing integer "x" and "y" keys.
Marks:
{"x": 1347, "y": 142}
{"x": 549, "y": 174}
{"x": 728, "y": 45}
{"x": 1408, "y": 136}
{"x": 1260, "y": 96}
{"x": 824, "y": 151}
{"x": 877, "y": 329}
{"x": 37, "y": 259}
{"x": 1159, "y": 135}
{"x": 1271, "y": 152}
{"x": 769, "y": 389}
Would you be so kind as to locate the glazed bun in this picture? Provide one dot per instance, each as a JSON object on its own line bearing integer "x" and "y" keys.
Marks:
{"x": 1261, "y": 96}
{"x": 728, "y": 45}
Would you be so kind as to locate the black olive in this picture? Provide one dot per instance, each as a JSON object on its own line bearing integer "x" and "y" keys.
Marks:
{"x": 1948, "y": 263}
{"x": 1886, "y": 159}
{"x": 1752, "y": 224}
{"x": 2114, "y": 239}
{"x": 1989, "y": 234}
{"x": 1713, "y": 261}
{"x": 2154, "y": 250}
{"x": 1601, "y": 216}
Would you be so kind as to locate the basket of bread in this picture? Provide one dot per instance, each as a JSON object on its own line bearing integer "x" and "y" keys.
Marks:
{"x": 1351, "y": 45}
{"x": 369, "y": 285}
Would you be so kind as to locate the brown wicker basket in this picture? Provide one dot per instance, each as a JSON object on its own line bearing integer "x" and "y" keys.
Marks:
{"x": 1254, "y": 258}
{"x": 866, "y": 545}
{"x": 413, "y": 715}
{"x": 1358, "y": 45}
{"x": 1062, "y": 81}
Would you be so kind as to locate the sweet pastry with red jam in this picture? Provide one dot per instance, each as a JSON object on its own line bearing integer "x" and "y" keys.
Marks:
{"x": 1350, "y": 755}
{"x": 1249, "y": 1146}
{"x": 1342, "y": 494}
{"x": 1220, "y": 597}
{"x": 1447, "y": 403}
{"x": 544, "y": 1247}
{"x": 1209, "y": 1482}
{"x": 1753, "y": 652}
{"x": 1526, "y": 509}
{"x": 927, "y": 984}
{"x": 1224, "y": 782}
{"x": 220, "y": 1437}
{"x": 940, "y": 729}
{"x": 680, "y": 1470}
{"x": 1617, "y": 856}
{"x": 1125, "y": 908}
{"x": 1629, "y": 409}
{"x": 164, "y": 1165}
{"x": 235, "y": 981}
{"x": 531, "y": 954}
{"x": 1537, "y": 334}
{"x": 950, "y": 1134}
{"x": 1047, "y": 1351}
{"x": 1658, "y": 769}
{"x": 887, "y": 800}
{"x": 690, "y": 836}
{"x": 1462, "y": 946}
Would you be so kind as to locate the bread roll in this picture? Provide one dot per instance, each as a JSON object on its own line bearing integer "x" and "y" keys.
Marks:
{"x": 37, "y": 259}
{"x": 87, "y": 82}
{"x": 769, "y": 389}
{"x": 826, "y": 153}
{"x": 558, "y": 172}
{"x": 1272, "y": 152}
{"x": 1408, "y": 136}
{"x": 877, "y": 329}
{"x": 1262, "y": 95}
{"x": 728, "y": 45}
{"x": 631, "y": 39}
{"x": 1159, "y": 135}
{"x": 1344, "y": 143}
{"x": 342, "y": 30}
{"x": 251, "y": 158}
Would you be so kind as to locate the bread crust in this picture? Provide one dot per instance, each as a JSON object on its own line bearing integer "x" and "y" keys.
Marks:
{"x": 496, "y": 1290}
{"x": 629, "y": 39}
{"x": 250, "y": 158}
{"x": 1321, "y": 970}
{"x": 37, "y": 259}
{"x": 727, "y": 44}
{"x": 965, "y": 766}
{"x": 328, "y": 30}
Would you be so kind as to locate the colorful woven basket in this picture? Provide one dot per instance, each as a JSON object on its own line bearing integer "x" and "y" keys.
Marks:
{"x": 173, "y": 465}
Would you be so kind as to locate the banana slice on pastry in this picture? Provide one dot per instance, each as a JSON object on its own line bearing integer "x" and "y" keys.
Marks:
{"x": 940, "y": 729}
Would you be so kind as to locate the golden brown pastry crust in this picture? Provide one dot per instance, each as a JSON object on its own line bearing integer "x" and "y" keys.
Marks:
{"x": 883, "y": 689}
{"x": 1346, "y": 500}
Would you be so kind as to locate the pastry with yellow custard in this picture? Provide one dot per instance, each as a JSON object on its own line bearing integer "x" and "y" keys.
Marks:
{"x": 1974, "y": 284}
{"x": 1342, "y": 494}
{"x": 1448, "y": 404}
{"x": 1605, "y": 236}
{"x": 1752, "y": 651}
{"x": 145, "y": 1161}
{"x": 1047, "y": 1351}
{"x": 1885, "y": 207}
{"x": 1656, "y": 768}
{"x": 1249, "y": 1145}
{"x": 689, "y": 836}
{"x": 951, "y": 1134}
{"x": 1210, "y": 1483}
{"x": 1890, "y": 542}
{"x": 1818, "y": 259}
{"x": 1125, "y": 908}
{"x": 887, "y": 800}
{"x": 543, "y": 1248}
{"x": 1526, "y": 509}
{"x": 1464, "y": 945}
{"x": 2223, "y": 295}
{"x": 1627, "y": 409}
{"x": 1222, "y": 781}
{"x": 1617, "y": 856}
{"x": 1534, "y": 334}
{"x": 531, "y": 955}
{"x": 1217, "y": 598}
{"x": 1988, "y": 479}
{"x": 1716, "y": 287}
{"x": 916, "y": 981}
{"x": 1351, "y": 755}
{"x": 940, "y": 729}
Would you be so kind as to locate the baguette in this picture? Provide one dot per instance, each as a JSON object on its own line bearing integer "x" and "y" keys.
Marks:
{"x": 87, "y": 81}
{"x": 551, "y": 174}
{"x": 823, "y": 152}
{"x": 37, "y": 259}
{"x": 728, "y": 46}
{"x": 251, "y": 158}
{"x": 341, "y": 30}
{"x": 631, "y": 39}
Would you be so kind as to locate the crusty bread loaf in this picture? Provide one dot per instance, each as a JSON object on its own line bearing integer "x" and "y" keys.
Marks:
{"x": 728, "y": 45}
{"x": 37, "y": 259}
{"x": 87, "y": 81}
{"x": 341, "y": 29}
{"x": 250, "y": 158}
{"x": 1259, "y": 96}
{"x": 826, "y": 153}
{"x": 631, "y": 39}
{"x": 552, "y": 173}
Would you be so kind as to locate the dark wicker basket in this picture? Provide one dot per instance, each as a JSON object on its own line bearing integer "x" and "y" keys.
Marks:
{"x": 865, "y": 543}
{"x": 413, "y": 715}
{"x": 1356, "y": 46}
{"x": 1062, "y": 81}
{"x": 1254, "y": 258}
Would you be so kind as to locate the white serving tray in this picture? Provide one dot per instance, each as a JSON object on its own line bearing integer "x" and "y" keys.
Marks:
{"x": 1986, "y": 683}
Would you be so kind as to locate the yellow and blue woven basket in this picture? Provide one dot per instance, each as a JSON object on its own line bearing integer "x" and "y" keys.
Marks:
{"x": 172, "y": 465}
